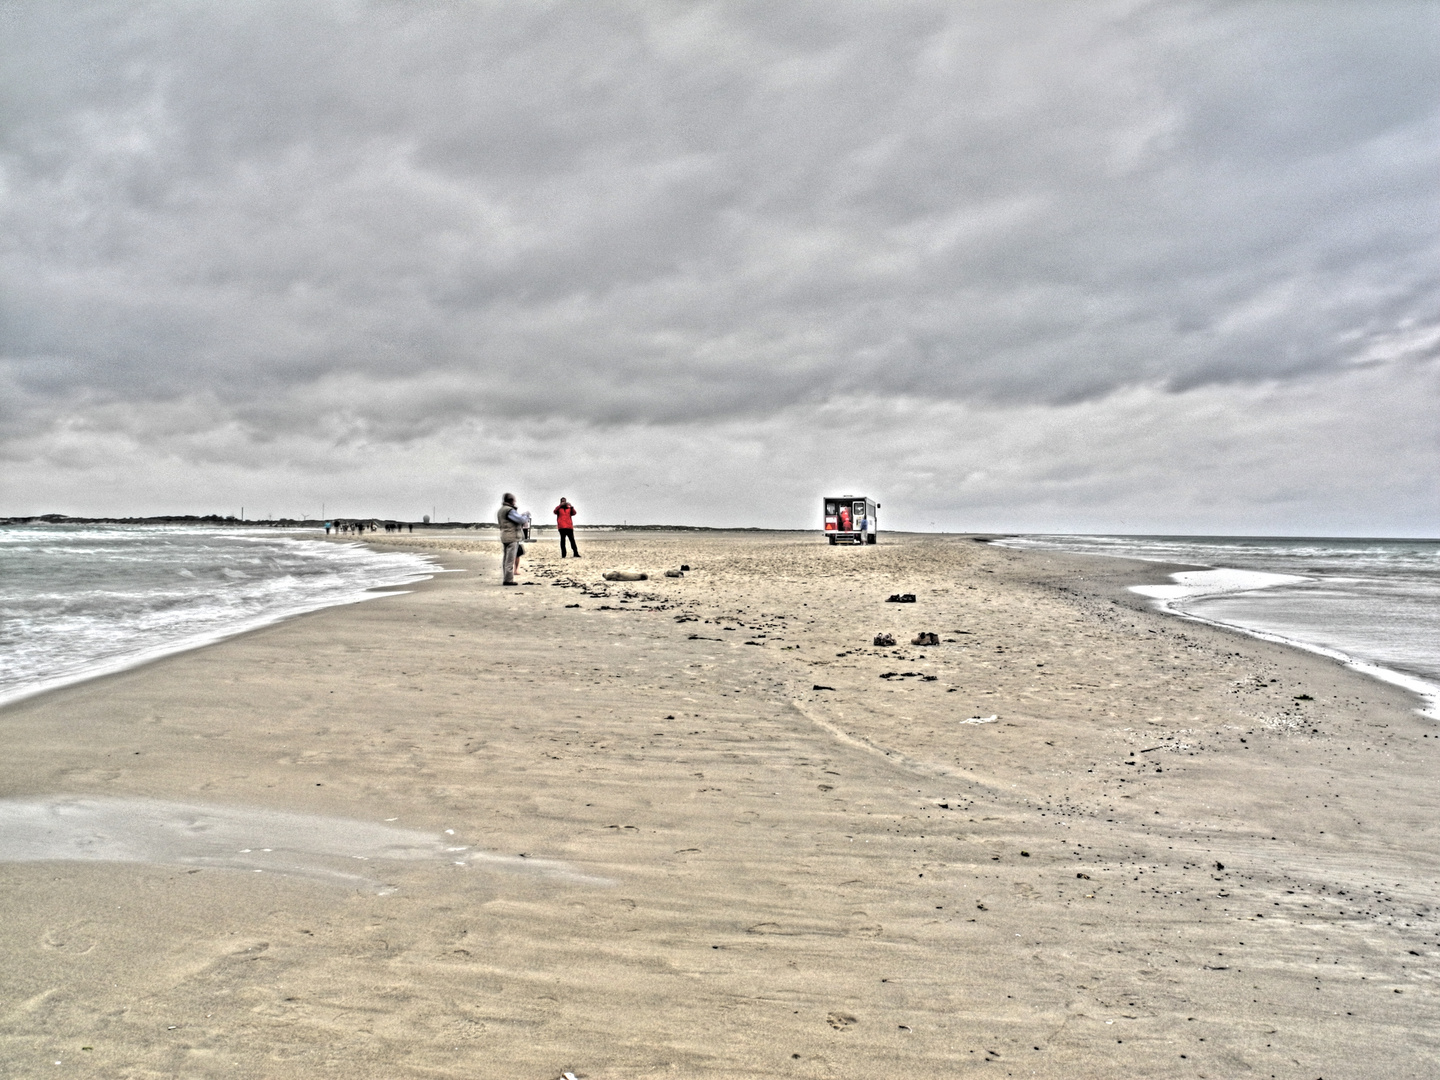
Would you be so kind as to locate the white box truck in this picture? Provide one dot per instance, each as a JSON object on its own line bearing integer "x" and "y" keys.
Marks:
{"x": 851, "y": 519}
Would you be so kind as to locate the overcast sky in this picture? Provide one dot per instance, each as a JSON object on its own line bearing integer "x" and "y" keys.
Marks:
{"x": 1130, "y": 266}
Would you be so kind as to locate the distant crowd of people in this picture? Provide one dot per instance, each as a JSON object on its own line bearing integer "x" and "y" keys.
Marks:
{"x": 347, "y": 526}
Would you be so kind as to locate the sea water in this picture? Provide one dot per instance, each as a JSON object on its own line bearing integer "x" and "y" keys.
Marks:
{"x": 81, "y": 600}
{"x": 1372, "y": 604}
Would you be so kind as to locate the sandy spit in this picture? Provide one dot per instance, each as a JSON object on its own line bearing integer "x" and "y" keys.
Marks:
{"x": 702, "y": 826}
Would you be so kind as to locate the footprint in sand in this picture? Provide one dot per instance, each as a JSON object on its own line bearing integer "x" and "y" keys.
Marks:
{"x": 69, "y": 939}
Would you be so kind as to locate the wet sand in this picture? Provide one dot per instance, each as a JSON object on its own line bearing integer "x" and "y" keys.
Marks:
{"x": 617, "y": 829}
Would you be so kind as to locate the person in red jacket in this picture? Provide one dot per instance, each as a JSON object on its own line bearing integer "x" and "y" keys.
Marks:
{"x": 565, "y": 522}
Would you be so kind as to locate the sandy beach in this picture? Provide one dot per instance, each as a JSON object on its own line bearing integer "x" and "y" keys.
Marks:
{"x": 702, "y": 826}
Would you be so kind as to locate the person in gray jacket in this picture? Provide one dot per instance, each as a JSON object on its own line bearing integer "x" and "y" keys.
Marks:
{"x": 512, "y": 527}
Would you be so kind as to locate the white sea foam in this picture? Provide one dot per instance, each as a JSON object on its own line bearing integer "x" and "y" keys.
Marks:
{"x": 1190, "y": 584}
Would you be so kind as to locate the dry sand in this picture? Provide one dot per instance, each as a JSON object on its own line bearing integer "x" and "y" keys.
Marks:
{"x": 1174, "y": 852}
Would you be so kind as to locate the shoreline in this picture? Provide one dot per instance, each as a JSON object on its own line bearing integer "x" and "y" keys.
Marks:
{"x": 434, "y": 545}
{"x": 1164, "y": 598}
{"x": 1424, "y": 696}
{"x": 437, "y": 537}
{"x": 1426, "y": 693}
{"x": 140, "y": 656}
{"x": 781, "y": 839}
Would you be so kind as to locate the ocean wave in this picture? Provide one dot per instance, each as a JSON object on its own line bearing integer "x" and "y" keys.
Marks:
{"x": 77, "y": 602}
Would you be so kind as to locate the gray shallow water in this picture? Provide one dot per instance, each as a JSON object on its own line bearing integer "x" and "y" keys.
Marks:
{"x": 338, "y": 850}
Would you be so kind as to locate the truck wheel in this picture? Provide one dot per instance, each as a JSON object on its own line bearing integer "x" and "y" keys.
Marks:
{"x": 832, "y": 541}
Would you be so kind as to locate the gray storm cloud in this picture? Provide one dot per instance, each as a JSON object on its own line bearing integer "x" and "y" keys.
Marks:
{"x": 380, "y": 222}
